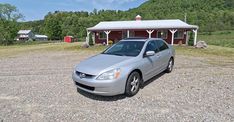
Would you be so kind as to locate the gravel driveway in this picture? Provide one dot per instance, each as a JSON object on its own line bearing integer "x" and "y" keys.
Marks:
{"x": 38, "y": 87}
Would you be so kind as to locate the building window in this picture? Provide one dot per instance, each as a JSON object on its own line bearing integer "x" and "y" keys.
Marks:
{"x": 179, "y": 34}
{"x": 162, "y": 34}
{"x": 102, "y": 35}
{"x": 131, "y": 34}
{"x": 125, "y": 34}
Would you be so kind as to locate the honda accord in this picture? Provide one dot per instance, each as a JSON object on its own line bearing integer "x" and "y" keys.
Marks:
{"x": 124, "y": 67}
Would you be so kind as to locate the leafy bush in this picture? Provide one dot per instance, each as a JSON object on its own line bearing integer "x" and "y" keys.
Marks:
{"x": 191, "y": 39}
{"x": 91, "y": 39}
{"x": 6, "y": 42}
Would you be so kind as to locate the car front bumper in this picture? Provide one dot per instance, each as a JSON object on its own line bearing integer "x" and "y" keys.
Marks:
{"x": 100, "y": 87}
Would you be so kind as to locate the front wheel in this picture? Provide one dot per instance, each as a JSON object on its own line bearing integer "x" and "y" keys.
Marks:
{"x": 133, "y": 84}
{"x": 170, "y": 66}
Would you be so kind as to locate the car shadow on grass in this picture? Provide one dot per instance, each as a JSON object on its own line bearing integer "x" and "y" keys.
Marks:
{"x": 116, "y": 97}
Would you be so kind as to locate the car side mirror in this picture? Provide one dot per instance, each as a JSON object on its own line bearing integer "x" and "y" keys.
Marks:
{"x": 150, "y": 53}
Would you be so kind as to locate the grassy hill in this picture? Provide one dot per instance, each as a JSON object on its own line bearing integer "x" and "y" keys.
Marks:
{"x": 209, "y": 15}
{"x": 218, "y": 38}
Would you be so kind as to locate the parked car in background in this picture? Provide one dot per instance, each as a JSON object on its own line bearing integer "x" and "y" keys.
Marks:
{"x": 124, "y": 67}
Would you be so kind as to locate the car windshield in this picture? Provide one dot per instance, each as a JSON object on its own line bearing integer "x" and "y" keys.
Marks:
{"x": 125, "y": 48}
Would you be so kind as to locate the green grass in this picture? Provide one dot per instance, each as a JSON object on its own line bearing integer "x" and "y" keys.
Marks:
{"x": 219, "y": 38}
{"x": 211, "y": 51}
{"x": 77, "y": 47}
{"x": 214, "y": 55}
{"x": 33, "y": 42}
{"x": 61, "y": 46}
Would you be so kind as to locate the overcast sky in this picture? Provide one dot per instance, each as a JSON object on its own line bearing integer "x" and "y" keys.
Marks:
{"x": 37, "y": 9}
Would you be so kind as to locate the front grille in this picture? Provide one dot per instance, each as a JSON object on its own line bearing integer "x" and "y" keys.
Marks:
{"x": 85, "y": 86}
{"x": 86, "y": 75}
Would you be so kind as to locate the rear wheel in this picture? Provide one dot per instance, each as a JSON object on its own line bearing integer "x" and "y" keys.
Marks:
{"x": 170, "y": 66}
{"x": 133, "y": 84}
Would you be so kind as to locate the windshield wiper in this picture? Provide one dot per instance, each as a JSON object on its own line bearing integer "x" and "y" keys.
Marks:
{"x": 114, "y": 54}
{"x": 119, "y": 54}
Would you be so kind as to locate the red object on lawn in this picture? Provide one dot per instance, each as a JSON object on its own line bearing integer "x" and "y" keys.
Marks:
{"x": 68, "y": 39}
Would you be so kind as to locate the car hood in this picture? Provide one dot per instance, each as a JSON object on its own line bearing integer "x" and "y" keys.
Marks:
{"x": 94, "y": 65}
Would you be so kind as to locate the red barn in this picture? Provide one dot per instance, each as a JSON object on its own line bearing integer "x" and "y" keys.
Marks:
{"x": 173, "y": 31}
{"x": 68, "y": 39}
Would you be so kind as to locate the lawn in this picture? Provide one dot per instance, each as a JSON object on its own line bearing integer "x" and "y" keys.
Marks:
{"x": 77, "y": 47}
{"x": 219, "y": 38}
{"x": 60, "y": 46}
{"x": 220, "y": 44}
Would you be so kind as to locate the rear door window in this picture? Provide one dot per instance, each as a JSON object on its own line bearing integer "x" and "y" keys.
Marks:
{"x": 161, "y": 45}
{"x": 152, "y": 46}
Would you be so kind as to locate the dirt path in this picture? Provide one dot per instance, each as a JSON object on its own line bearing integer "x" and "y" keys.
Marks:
{"x": 38, "y": 87}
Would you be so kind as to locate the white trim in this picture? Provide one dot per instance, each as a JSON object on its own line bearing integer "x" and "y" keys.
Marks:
{"x": 172, "y": 37}
{"x": 107, "y": 36}
{"x": 150, "y": 32}
{"x": 187, "y": 37}
{"x": 128, "y": 33}
{"x": 195, "y": 37}
{"x": 87, "y": 38}
{"x": 144, "y": 24}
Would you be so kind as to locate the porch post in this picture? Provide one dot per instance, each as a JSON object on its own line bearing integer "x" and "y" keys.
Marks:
{"x": 128, "y": 34}
{"x": 150, "y": 32}
{"x": 187, "y": 37}
{"x": 172, "y": 37}
{"x": 87, "y": 38}
{"x": 93, "y": 37}
{"x": 107, "y": 36}
{"x": 195, "y": 37}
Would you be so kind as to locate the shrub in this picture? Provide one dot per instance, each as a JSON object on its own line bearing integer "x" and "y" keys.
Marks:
{"x": 191, "y": 39}
{"x": 91, "y": 39}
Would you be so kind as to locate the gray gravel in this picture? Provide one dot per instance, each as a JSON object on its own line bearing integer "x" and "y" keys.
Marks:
{"x": 38, "y": 87}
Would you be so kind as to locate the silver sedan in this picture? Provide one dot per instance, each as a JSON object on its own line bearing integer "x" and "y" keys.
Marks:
{"x": 124, "y": 67}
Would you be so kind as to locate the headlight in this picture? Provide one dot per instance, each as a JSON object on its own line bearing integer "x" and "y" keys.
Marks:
{"x": 109, "y": 75}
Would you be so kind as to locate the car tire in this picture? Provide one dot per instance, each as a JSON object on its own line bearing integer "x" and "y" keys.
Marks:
{"x": 170, "y": 66}
{"x": 133, "y": 84}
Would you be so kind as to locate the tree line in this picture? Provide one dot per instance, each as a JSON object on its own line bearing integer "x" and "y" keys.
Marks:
{"x": 209, "y": 15}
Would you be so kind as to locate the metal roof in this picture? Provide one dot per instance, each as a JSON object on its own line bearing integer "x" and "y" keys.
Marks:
{"x": 24, "y": 31}
{"x": 142, "y": 24}
{"x": 41, "y": 36}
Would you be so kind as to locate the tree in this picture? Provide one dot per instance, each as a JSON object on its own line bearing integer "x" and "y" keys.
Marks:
{"x": 53, "y": 28}
{"x": 8, "y": 23}
{"x": 209, "y": 15}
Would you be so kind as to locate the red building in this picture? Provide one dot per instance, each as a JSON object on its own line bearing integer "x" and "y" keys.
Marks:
{"x": 68, "y": 39}
{"x": 172, "y": 31}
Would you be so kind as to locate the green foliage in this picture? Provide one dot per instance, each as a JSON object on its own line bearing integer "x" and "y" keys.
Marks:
{"x": 8, "y": 25}
{"x": 191, "y": 39}
{"x": 53, "y": 28}
{"x": 35, "y": 26}
{"x": 91, "y": 39}
{"x": 209, "y": 15}
{"x": 219, "y": 38}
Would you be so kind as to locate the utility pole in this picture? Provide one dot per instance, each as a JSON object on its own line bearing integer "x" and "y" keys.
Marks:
{"x": 185, "y": 17}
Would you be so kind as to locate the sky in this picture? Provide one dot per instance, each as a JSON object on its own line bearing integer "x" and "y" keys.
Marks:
{"x": 37, "y": 9}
